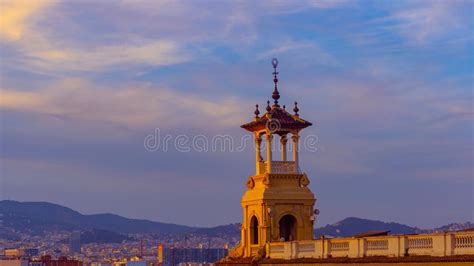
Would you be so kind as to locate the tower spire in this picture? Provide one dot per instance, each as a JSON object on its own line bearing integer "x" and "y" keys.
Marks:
{"x": 275, "y": 94}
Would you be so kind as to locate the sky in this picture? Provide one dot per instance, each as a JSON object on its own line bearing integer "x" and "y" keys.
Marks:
{"x": 90, "y": 90}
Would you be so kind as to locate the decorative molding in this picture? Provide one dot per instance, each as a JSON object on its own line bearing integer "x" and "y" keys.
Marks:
{"x": 304, "y": 180}
{"x": 250, "y": 183}
{"x": 266, "y": 180}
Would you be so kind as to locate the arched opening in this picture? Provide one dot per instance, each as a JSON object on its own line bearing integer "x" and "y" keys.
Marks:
{"x": 288, "y": 228}
{"x": 254, "y": 230}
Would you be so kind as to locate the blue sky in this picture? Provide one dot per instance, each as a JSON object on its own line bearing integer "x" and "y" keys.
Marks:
{"x": 387, "y": 85}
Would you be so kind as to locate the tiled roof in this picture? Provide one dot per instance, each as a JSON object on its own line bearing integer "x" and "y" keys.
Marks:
{"x": 284, "y": 120}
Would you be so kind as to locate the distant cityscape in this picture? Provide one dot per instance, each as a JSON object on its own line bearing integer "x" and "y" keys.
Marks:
{"x": 30, "y": 235}
{"x": 66, "y": 249}
{"x": 29, "y": 239}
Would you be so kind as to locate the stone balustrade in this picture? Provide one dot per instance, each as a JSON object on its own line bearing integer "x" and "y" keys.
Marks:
{"x": 464, "y": 241}
{"x": 283, "y": 167}
{"x": 436, "y": 244}
{"x": 279, "y": 167}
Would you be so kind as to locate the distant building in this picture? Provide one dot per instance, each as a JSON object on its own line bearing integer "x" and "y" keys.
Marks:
{"x": 13, "y": 262}
{"x": 122, "y": 262}
{"x": 100, "y": 264}
{"x": 195, "y": 264}
{"x": 13, "y": 252}
{"x": 75, "y": 242}
{"x": 35, "y": 263}
{"x": 136, "y": 263}
{"x": 48, "y": 261}
{"x": 31, "y": 252}
{"x": 176, "y": 256}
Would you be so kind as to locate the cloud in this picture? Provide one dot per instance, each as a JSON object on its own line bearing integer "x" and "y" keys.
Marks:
{"x": 285, "y": 7}
{"x": 47, "y": 50}
{"x": 299, "y": 51}
{"x": 429, "y": 19}
{"x": 15, "y": 14}
{"x": 136, "y": 106}
{"x": 154, "y": 53}
{"x": 285, "y": 47}
{"x": 132, "y": 39}
{"x": 328, "y": 3}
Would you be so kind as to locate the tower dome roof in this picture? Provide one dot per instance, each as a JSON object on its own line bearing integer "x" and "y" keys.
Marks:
{"x": 278, "y": 120}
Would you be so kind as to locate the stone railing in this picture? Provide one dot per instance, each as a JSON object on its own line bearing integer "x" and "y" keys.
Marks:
{"x": 339, "y": 246}
{"x": 437, "y": 244}
{"x": 463, "y": 242}
{"x": 283, "y": 167}
{"x": 278, "y": 167}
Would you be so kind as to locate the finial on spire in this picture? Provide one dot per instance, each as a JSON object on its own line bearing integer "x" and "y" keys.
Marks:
{"x": 268, "y": 106}
{"x": 296, "y": 109}
{"x": 284, "y": 107}
{"x": 275, "y": 94}
{"x": 257, "y": 112}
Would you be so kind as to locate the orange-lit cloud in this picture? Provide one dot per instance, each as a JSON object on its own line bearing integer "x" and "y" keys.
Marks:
{"x": 134, "y": 106}
{"x": 156, "y": 53}
{"x": 14, "y": 15}
{"x": 44, "y": 50}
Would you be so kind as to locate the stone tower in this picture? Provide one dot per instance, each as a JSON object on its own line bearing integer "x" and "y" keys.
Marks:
{"x": 277, "y": 205}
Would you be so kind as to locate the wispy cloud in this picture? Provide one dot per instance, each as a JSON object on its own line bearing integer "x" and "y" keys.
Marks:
{"x": 138, "y": 105}
{"x": 427, "y": 20}
{"x": 137, "y": 42}
{"x": 151, "y": 53}
{"x": 302, "y": 52}
{"x": 41, "y": 49}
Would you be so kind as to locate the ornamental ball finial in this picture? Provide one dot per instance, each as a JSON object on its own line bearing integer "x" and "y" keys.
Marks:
{"x": 296, "y": 108}
{"x": 268, "y": 106}
{"x": 274, "y": 62}
{"x": 257, "y": 112}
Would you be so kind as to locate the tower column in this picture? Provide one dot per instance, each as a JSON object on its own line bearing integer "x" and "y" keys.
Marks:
{"x": 283, "y": 141}
{"x": 269, "y": 137}
{"x": 258, "y": 156}
{"x": 295, "y": 137}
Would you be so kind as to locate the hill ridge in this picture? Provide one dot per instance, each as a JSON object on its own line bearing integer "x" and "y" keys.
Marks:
{"x": 36, "y": 217}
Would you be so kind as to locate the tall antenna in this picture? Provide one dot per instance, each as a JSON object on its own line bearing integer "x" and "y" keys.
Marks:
{"x": 141, "y": 248}
{"x": 185, "y": 247}
{"x": 208, "y": 249}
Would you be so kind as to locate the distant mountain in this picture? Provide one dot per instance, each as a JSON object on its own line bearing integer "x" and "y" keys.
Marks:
{"x": 36, "y": 217}
{"x": 222, "y": 230}
{"x": 452, "y": 227}
{"x": 352, "y": 226}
